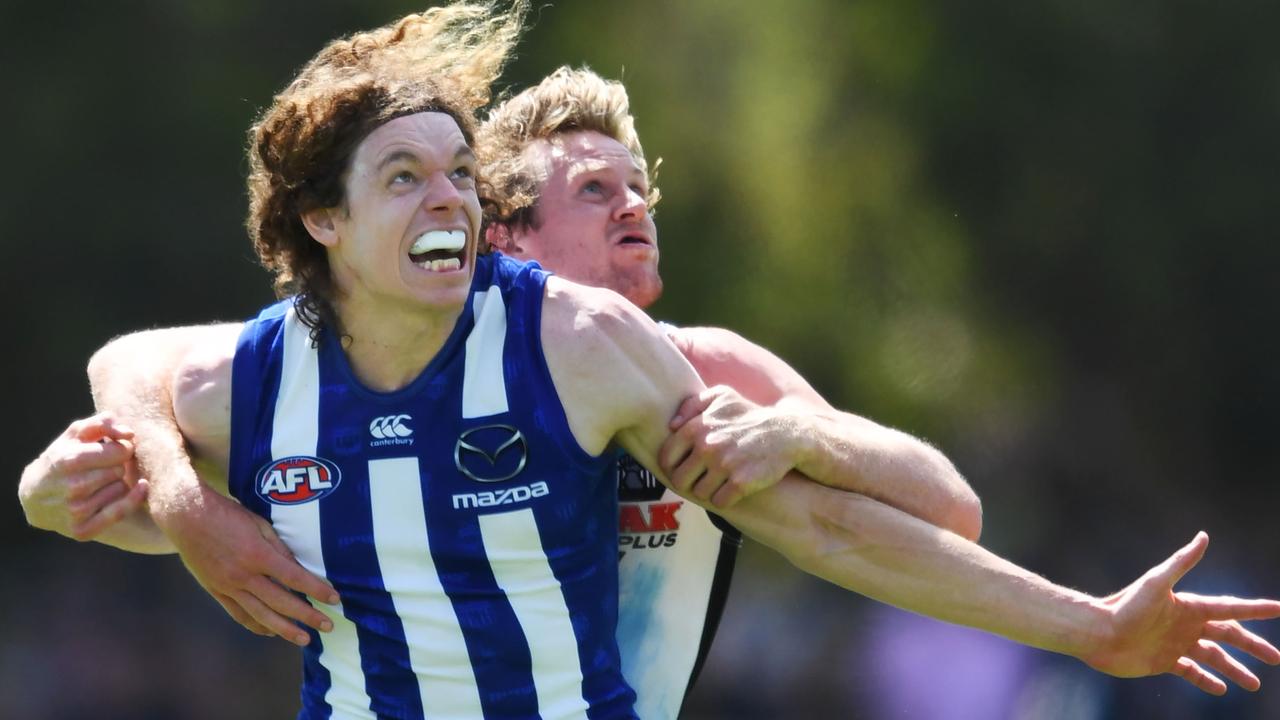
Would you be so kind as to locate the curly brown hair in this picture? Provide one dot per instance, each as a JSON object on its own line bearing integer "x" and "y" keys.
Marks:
{"x": 568, "y": 100}
{"x": 442, "y": 60}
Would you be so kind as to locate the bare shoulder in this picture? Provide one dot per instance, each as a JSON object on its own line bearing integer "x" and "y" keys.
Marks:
{"x": 608, "y": 360}
{"x": 201, "y": 388}
{"x": 592, "y": 315}
{"x": 723, "y": 357}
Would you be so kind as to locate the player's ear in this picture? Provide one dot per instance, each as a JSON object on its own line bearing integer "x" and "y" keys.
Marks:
{"x": 321, "y": 226}
{"x": 500, "y": 237}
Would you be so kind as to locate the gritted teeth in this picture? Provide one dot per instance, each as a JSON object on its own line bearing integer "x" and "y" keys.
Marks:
{"x": 448, "y": 264}
{"x": 448, "y": 240}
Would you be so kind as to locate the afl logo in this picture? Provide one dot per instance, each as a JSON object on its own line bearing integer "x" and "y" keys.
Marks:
{"x": 298, "y": 479}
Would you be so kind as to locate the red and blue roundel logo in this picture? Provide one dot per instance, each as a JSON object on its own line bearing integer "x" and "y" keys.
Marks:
{"x": 297, "y": 479}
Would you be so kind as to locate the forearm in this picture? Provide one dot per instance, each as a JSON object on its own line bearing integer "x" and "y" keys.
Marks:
{"x": 881, "y": 552}
{"x": 848, "y": 452}
{"x": 138, "y": 533}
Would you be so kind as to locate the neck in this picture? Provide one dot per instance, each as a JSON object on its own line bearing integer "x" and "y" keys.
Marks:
{"x": 389, "y": 348}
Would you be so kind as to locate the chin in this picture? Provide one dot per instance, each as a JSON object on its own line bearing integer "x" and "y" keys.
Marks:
{"x": 645, "y": 293}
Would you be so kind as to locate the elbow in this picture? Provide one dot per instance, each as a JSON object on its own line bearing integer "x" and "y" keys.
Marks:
{"x": 962, "y": 511}
{"x": 966, "y": 517}
{"x": 100, "y": 366}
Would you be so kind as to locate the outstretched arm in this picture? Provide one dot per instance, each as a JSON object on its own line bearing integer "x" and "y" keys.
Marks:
{"x": 173, "y": 389}
{"x": 622, "y": 374}
{"x": 724, "y": 429}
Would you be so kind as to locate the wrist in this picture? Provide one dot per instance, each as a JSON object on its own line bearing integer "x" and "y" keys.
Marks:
{"x": 1094, "y": 643}
{"x": 806, "y": 443}
{"x": 174, "y": 506}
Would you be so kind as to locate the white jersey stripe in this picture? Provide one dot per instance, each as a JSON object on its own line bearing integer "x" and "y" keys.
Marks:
{"x": 295, "y": 431}
{"x": 431, "y": 627}
{"x": 514, "y": 547}
{"x": 484, "y": 388}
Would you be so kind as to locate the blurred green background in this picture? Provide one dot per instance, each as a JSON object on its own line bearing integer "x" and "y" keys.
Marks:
{"x": 1041, "y": 235}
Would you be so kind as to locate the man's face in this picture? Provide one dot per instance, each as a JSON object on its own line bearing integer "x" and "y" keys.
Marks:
{"x": 593, "y": 222}
{"x": 408, "y": 233}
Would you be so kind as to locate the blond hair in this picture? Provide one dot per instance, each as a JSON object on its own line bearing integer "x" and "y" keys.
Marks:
{"x": 568, "y": 100}
{"x": 442, "y": 60}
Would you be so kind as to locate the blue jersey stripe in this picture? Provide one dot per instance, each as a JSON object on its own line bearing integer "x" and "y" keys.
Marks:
{"x": 255, "y": 382}
{"x": 314, "y": 675}
{"x": 351, "y": 560}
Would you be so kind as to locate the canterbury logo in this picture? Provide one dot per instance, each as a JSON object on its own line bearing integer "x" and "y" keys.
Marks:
{"x": 491, "y": 453}
{"x": 391, "y": 426}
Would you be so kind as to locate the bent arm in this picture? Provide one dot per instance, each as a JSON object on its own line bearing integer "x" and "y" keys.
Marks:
{"x": 835, "y": 448}
{"x": 179, "y": 405}
{"x": 135, "y": 377}
{"x": 85, "y": 469}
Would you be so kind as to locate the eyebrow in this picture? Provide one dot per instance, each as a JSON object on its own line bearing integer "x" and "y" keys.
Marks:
{"x": 463, "y": 152}
{"x": 633, "y": 173}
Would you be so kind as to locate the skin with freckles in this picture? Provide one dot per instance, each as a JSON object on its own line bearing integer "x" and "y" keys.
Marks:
{"x": 592, "y": 221}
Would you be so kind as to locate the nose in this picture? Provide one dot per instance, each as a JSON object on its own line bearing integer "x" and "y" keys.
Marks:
{"x": 633, "y": 206}
{"x": 442, "y": 194}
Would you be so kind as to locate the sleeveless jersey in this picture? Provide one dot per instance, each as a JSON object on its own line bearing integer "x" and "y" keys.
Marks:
{"x": 469, "y": 535}
{"x": 675, "y": 561}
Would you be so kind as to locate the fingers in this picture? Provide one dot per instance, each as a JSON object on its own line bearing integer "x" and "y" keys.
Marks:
{"x": 285, "y": 569}
{"x": 1180, "y": 563}
{"x": 238, "y": 614}
{"x": 284, "y": 603}
{"x": 708, "y": 484}
{"x": 1224, "y": 607}
{"x": 88, "y": 456}
{"x": 728, "y": 494}
{"x": 82, "y": 509}
{"x": 740, "y": 485}
{"x": 1234, "y": 634}
{"x": 113, "y": 513}
{"x": 1211, "y": 655}
{"x": 85, "y": 485}
{"x": 1188, "y": 670}
{"x": 293, "y": 576}
{"x": 97, "y": 427}
{"x": 270, "y": 619}
{"x": 692, "y": 406}
{"x": 675, "y": 451}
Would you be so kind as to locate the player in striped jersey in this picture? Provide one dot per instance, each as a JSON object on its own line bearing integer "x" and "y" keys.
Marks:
{"x": 769, "y": 525}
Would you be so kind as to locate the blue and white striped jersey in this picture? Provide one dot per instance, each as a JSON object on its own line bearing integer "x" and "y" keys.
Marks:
{"x": 470, "y": 536}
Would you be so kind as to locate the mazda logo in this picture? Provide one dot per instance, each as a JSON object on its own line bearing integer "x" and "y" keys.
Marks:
{"x": 491, "y": 453}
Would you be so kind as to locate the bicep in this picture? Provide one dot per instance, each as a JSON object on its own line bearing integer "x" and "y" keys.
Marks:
{"x": 618, "y": 375}
{"x": 145, "y": 363}
{"x": 201, "y": 393}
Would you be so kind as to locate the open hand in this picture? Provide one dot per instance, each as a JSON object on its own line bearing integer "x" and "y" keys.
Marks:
{"x": 1157, "y": 630}
{"x": 237, "y": 558}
